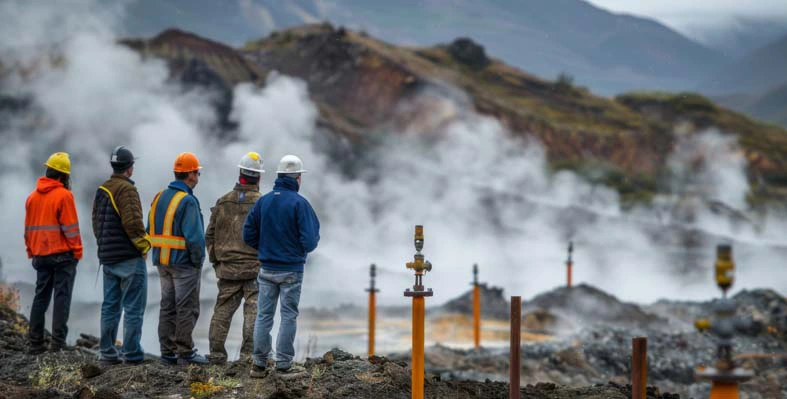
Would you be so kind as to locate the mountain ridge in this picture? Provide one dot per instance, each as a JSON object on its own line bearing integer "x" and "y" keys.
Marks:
{"x": 358, "y": 83}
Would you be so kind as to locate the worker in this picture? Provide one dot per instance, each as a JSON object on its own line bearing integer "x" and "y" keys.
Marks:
{"x": 235, "y": 262}
{"x": 54, "y": 244}
{"x": 175, "y": 226}
{"x": 283, "y": 227}
{"x": 123, "y": 245}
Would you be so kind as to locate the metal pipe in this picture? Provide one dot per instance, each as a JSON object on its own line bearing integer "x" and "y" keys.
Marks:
{"x": 569, "y": 264}
{"x": 639, "y": 367}
{"x": 372, "y": 307}
{"x": 420, "y": 265}
{"x": 476, "y": 309}
{"x": 371, "y": 322}
{"x": 516, "y": 336}
{"x": 724, "y": 390}
{"x": 477, "y": 316}
{"x": 418, "y": 348}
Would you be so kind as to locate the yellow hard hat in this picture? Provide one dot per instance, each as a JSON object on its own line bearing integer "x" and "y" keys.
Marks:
{"x": 60, "y": 162}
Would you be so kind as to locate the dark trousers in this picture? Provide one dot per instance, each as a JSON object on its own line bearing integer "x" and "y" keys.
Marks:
{"x": 179, "y": 308}
{"x": 56, "y": 274}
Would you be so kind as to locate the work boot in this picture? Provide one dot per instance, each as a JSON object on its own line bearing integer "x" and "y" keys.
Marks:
{"x": 104, "y": 362}
{"x": 216, "y": 359}
{"x": 36, "y": 350}
{"x": 194, "y": 358}
{"x": 169, "y": 360}
{"x": 61, "y": 347}
{"x": 134, "y": 362}
{"x": 293, "y": 369}
{"x": 258, "y": 372}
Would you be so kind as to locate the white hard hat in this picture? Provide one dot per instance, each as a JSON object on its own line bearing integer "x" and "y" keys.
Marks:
{"x": 251, "y": 164}
{"x": 290, "y": 164}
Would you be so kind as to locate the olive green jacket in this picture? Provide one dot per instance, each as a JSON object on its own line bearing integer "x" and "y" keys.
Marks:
{"x": 231, "y": 257}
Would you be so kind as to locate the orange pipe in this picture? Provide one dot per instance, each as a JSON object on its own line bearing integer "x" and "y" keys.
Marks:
{"x": 418, "y": 348}
{"x": 569, "y": 267}
{"x": 724, "y": 390}
{"x": 371, "y": 322}
{"x": 477, "y": 316}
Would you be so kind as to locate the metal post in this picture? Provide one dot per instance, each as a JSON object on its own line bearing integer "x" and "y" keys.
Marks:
{"x": 569, "y": 264}
{"x": 724, "y": 390}
{"x": 372, "y": 307}
{"x": 420, "y": 265}
{"x": 418, "y": 347}
{"x": 476, "y": 309}
{"x": 516, "y": 336}
{"x": 639, "y": 367}
{"x": 726, "y": 375}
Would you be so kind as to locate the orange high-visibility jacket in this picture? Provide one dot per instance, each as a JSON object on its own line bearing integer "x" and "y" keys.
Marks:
{"x": 51, "y": 223}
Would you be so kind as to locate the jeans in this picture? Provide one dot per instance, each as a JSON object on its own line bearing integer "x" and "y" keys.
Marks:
{"x": 275, "y": 285}
{"x": 179, "y": 309}
{"x": 125, "y": 290}
{"x": 54, "y": 273}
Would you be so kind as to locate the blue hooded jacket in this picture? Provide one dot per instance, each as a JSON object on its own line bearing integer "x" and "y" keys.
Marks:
{"x": 283, "y": 227}
{"x": 188, "y": 223}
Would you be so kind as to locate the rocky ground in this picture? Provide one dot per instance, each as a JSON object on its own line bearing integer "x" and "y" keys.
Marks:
{"x": 337, "y": 374}
{"x": 592, "y": 333}
{"x": 583, "y": 360}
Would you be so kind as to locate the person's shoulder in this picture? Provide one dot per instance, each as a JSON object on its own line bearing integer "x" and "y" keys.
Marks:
{"x": 229, "y": 196}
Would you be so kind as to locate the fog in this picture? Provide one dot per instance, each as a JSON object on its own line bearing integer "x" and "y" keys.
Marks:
{"x": 483, "y": 195}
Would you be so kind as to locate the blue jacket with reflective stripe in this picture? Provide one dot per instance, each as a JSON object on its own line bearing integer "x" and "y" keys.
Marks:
{"x": 187, "y": 223}
{"x": 283, "y": 227}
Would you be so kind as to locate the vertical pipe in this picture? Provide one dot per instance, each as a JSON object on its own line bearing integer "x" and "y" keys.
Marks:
{"x": 724, "y": 390}
{"x": 477, "y": 316}
{"x": 569, "y": 266}
{"x": 516, "y": 336}
{"x": 639, "y": 367}
{"x": 371, "y": 322}
{"x": 418, "y": 348}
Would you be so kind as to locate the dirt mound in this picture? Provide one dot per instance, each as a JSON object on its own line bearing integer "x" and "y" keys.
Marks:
{"x": 493, "y": 304}
{"x": 584, "y": 306}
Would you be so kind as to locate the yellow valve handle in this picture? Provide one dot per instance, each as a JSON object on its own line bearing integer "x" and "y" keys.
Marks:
{"x": 702, "y": 325}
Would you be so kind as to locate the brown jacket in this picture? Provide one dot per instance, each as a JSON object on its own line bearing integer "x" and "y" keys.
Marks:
{"x": 117, "y": 220}
{"x": 232, "y": 258}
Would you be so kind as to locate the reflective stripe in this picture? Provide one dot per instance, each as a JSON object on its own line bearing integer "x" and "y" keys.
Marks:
{"x": 111, "y": 198}
{"x": 166, "y": 241}
{"x": 72, "y": 234}
{"x": 36, "y": 228}
{"x": 70, "y": 226}
{"x": 152, "y": 216}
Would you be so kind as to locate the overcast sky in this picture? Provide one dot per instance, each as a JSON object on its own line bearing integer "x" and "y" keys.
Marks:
{"x": 692, "y": 17}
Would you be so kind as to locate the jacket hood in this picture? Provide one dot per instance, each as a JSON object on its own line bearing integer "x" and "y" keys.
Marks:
{"x": 287, "y": 183}
{"x": 46, "y": 184}
{"x": 246, "y": 187}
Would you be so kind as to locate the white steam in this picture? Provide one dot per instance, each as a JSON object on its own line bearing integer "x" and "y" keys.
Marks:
{"x": 483, "y": 196}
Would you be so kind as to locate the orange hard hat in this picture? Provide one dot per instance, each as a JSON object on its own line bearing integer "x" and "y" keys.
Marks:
{"x": 186, "y": 162}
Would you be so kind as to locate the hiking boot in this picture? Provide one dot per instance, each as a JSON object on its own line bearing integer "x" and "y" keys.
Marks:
{"x": 36, "y": 350}
{"x": 293, "y": 369}
{"x": 108, "y": 362}
{"x": 134, "y": 362}
{"x": 194, "y": 358}
{"x": 217, "y": 359}
{"x": 169, "y": 360}
{"x": 61, "y": 347}
{"x": 258, "y": 372}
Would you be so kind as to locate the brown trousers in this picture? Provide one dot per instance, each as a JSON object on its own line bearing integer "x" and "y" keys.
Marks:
{"x": 231, "y": 293}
